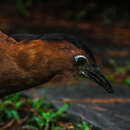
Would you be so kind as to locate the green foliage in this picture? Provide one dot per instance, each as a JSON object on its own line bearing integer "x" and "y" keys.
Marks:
{"x": 120, "y": 70}
{"x": 44, "y": 116}
{"x": 9, "y": 107}
{"x": 12, "y": 113}
{"x": 127, "y": 81}
{"x": 83, "y": 126}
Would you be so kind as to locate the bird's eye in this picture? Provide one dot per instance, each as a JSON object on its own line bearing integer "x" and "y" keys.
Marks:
{"x": 80, "y": 59}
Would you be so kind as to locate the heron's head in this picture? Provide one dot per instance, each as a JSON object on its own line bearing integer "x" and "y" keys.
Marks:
{"x": 67, "y": 57}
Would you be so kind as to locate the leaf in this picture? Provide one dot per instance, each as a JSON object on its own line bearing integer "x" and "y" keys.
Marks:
{"x": 12, "y": 114}
{"x": 47, "y": 116}
{"x": 8, "y": 113}
{"x": 15, "y": 115}
{"x": 7, "y": 102}
{"x": 39, "y": 121}
{"x": 16, "y": 96}
{"x": 18, "y": 104}
{"x": 63, "y": 109}
{"x": 127, "y": 81}
{"x": 86, "y": 126}
{"x": 37, "y": 103}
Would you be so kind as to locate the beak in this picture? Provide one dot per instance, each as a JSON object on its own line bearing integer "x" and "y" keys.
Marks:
{"x": 99, "y": 79}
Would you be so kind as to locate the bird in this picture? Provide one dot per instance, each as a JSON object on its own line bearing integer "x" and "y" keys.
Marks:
{"x": 29, "y": 60}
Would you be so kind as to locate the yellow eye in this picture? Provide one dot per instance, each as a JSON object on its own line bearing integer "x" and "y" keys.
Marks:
{"x": 80, "y": 59}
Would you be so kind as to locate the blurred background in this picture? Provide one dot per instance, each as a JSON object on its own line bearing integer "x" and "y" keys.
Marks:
{"x": 104, "y": 25}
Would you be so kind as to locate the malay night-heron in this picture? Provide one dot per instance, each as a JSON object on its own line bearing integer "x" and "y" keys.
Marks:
{"x": 37, "y": 59}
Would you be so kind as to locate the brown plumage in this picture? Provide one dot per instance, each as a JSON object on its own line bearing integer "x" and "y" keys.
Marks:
{"x": 35, "y": 61}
